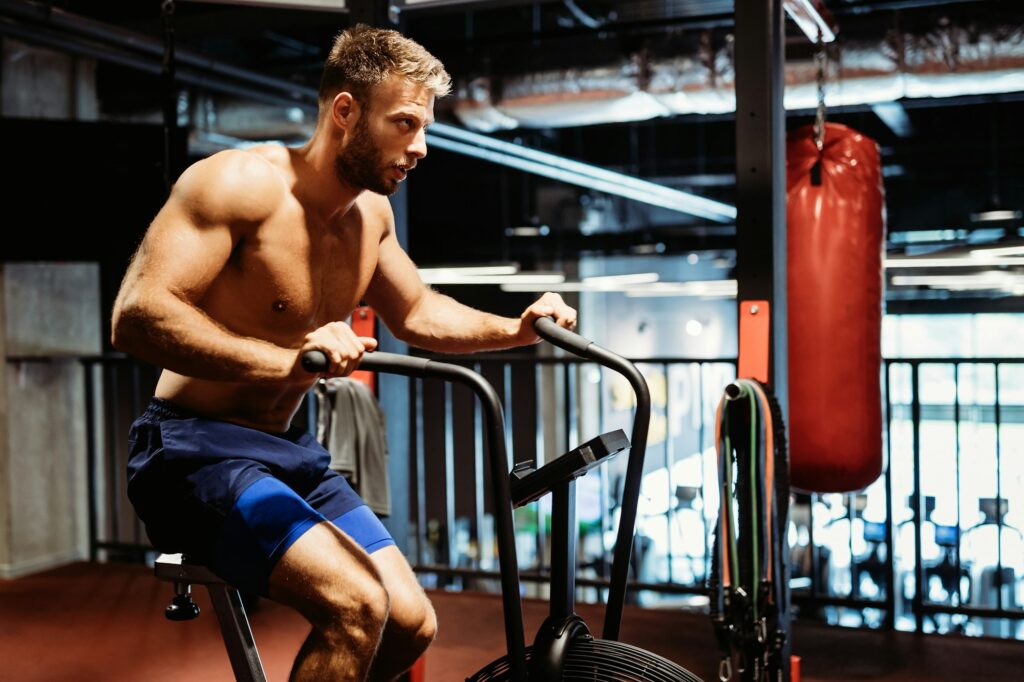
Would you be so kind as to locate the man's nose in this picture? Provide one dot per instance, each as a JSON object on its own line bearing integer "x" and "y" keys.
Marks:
{"x": 418, "y": 148}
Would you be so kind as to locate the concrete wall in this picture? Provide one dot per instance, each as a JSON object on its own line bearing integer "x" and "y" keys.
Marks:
{"x": 48, "y": 310}
{"x": 42, "y": 83}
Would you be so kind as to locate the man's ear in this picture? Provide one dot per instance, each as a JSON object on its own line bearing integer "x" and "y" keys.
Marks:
{"x": 344, "y": 110}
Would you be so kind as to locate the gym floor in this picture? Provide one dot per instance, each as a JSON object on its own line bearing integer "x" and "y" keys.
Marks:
{"x": 87, "y": 622}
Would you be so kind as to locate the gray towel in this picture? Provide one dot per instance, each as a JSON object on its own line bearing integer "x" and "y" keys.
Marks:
{"x": 351, "y": 427}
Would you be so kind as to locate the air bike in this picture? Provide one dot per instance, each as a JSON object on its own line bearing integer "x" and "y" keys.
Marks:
{"x": 563, "y": 648}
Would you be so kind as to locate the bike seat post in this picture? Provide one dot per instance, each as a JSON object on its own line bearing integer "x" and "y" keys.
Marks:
{"x": 227, "y": 604}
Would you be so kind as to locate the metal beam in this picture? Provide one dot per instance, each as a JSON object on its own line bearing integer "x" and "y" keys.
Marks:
{"x": 894, "y": 116}
{"x": 57, "y": 24}
{"x": 761, "y": 201}
{"x": 71, "y": 33}
{"x": 761, "y": 169}
{"x": 556, "y": 167}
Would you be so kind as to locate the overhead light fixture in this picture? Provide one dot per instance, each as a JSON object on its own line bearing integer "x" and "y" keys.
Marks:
{"x": 616, "y": 281}
{"x": 715, "y": 288}
{"x": 996, "y": 215}
{"x": 455, "y": 139}
{"x": 725, "y": 288}
{"x": 533, "y": 279}
{"x": 468, "y": 270}
{"x": 813, "y": 18}
{"x": 998, "y": 251}
{"x": 980, "y": 281}
{"x": 528, "y": 231}
{"x": 320, "y": 5}
{"x": 647, "y": 249}
{"x": 971, "y": 261}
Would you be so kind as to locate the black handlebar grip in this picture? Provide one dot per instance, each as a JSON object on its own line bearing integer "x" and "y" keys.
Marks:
{"x": 315, "y": 361}
{"x": 394, "y": 363}
{"x": 549, "y": 330}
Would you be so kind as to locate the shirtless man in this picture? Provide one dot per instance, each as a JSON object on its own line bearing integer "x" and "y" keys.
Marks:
{"x": 256, "y": 258}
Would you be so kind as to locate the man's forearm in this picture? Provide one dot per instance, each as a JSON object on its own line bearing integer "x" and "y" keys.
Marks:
{"x": 442, "y": 324}
{"x": 179, "y": 337}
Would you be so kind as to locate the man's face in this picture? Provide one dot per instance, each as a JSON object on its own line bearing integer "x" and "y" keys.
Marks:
{"x": 388, "y": 138}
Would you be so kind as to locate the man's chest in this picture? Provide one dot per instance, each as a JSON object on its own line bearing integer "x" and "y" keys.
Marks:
{"x": 295, "y": 279}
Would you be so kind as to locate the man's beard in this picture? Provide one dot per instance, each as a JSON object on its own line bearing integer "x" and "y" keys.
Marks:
{"x": 361, "y": 164}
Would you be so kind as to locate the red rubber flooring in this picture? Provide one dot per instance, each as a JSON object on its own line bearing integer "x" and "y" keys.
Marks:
{"x": 87, "y": 622}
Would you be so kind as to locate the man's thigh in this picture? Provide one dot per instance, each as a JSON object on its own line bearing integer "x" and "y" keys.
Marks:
{"x": 410, "y": 608}
{"x": 322, "y": 571}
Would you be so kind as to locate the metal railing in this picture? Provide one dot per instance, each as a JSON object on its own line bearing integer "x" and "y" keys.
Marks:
{"x": 861, "y": 559}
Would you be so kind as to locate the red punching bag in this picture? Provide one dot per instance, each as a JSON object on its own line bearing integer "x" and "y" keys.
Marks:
{"x": 836, "y": 231}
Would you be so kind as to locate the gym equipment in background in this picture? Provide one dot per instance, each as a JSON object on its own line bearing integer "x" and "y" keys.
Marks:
{"x": 564, "y": 648}
{"x": 749, "y": 586}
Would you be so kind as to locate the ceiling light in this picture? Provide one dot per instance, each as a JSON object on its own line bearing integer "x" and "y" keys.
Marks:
{"x": 708, "y": 289}
{"x": 468, "y": 270}
{"x": 951, "y": 262}
{"x": 528, "y": 231}
{"x": 321, "y": 5}
{"x": 717, "y": 288}
{"x": 991, "y": 279}
{"x": 647, "y": 249}
{"x": 612, "y": 281}
{"x": 998, "y": 251}
{"x": 522, "y": 278}
{"x": 996, "y": 214}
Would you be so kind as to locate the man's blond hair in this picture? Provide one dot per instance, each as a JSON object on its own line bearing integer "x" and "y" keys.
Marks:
{"x": 363, "y": 57}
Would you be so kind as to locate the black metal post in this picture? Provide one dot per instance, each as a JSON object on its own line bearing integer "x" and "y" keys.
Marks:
{"x": 90, "y": 456}
{"x": 916, "y": 502}
{"x": 563, "y": 550}
{"x": 170, "y": 104}
{"x": 999, "y": 494}
{"x": 761, "y": 172}
{"x": 890, "y": 559}
{"x": 761, "y": 196}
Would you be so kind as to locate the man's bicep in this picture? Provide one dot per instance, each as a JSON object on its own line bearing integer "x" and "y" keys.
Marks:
{"x": 396, "y": 288}
{"x": 183, "y": 251}
{"x": 213, "y": 204}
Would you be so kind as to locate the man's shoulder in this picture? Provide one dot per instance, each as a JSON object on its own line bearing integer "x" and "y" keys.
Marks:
{"x": 374, "y": 210}
{"x": 233, "y": 185}
{"x": 254, "y": 171}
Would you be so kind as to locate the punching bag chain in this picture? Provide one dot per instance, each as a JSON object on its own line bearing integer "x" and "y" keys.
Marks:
{"x": 821, "y": 62}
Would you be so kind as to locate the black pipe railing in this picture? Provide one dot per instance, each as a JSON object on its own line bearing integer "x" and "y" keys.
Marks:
{"x": 117, "y": 387}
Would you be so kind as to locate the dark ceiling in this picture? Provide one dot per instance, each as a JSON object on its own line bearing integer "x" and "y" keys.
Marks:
{"x": 958, "y": 155}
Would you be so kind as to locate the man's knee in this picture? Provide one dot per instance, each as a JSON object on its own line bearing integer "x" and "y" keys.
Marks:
{"x": 414, "y": 618}
{"x": 354, "y": 609}
{"x": 427, "y": 630}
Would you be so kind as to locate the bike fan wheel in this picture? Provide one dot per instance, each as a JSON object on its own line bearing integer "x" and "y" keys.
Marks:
{"x": 601, "y": 660}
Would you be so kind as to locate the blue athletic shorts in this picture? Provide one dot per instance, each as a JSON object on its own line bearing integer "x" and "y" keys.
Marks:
{"x": 235, "y": 498}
